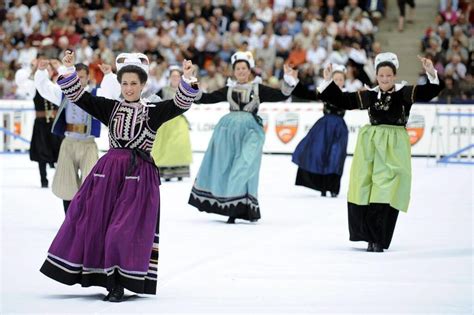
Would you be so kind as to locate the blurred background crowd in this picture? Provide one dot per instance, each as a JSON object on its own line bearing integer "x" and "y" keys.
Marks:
{"x": 306, "y": 34}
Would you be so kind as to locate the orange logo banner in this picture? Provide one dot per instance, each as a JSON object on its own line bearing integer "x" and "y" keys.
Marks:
{"x": 286, "y": 125}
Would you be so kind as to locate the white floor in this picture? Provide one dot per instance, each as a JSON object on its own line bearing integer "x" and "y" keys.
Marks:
{"x": 297, "y": 259}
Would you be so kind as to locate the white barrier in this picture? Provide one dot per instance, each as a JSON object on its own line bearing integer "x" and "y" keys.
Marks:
{"x": 285, "y": 125}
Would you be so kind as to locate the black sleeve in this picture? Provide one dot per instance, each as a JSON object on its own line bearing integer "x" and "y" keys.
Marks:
{"x": 302, "y": 92}
{"x": 214, "y": 97}
{"x": 426, "y": 92}
{"x": 99, "y": 107}
{"x": 268, "y": 94}
{"x": 345, "y": 100}
{"x": 169, "y": 109}
{"x": 164, "y": 111}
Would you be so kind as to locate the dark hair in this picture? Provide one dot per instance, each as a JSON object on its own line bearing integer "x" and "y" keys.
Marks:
{"x": 81, "y": 66}
{"x": 235, "y": 63}
{"x": 142, "y": 76}
{"x": 386, "y": 64}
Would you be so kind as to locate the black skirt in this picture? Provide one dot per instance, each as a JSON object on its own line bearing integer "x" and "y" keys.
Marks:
{"x": 373, "y": 223}
{"x": 44, "y": 144}
{"x": 323, "y": 183}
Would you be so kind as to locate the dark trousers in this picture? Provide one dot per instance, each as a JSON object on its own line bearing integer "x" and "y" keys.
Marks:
{"x": 42, "y": 170}
{"x": 374, "y": 223}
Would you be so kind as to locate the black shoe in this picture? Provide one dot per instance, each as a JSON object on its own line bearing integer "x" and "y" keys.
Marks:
{"x": 378, "y": 248}
{"x": 323, "y": 194}
{"x": 370, "y": 248}
{"x": 107, "y": 297}
{"x": 116, "y": 295}
{"x": 180, "y": 179}
{"x": 231, "y": 220}
{"x": 167, "y": 179}
{"x": 333, "y": 194}
{"x": 44, "y": 184}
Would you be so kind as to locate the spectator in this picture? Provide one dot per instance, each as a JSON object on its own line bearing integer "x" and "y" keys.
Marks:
{"x": 292, "y": 24}
{"x": 297, "y": 55}
{"x": 450, "y": 92}
{"x": 283, "y": 43}
{"x": 264, "y": 12}
{"x": 456, "y": 68}
{"x": 84, "y": 52}
{"x": 19, "y": 10}
{"x": 316, "y": 55}
{"x": 213, "y": 81}
{"x": 332, "y": 10}
{"x": 305, "y": 37}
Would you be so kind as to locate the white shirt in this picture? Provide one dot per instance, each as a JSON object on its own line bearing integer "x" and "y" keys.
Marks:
{"x": 53, "y": 93}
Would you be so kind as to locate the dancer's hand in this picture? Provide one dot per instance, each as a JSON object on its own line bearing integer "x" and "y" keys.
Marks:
{"x": 427, "y": 65}
{"x": 290, "y": 71}
{"x": 327, "y": 73}
{"x": 68, "y": 59}
{"x": 188, "y": 69}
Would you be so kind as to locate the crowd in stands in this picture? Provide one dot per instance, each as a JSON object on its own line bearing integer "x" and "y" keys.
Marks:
{"x": 306, "y": 34}
{"x": 449, "y": 42}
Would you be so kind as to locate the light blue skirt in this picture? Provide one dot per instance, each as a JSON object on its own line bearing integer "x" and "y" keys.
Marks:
{"x": 227, "y": 181}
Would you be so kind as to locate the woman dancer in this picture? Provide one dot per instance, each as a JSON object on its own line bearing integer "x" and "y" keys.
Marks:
{"x": 111, "y": 232}
{"x": 227, "y": 181}
{"x": 320, "y": 156}
{"x": 380, "y": 180}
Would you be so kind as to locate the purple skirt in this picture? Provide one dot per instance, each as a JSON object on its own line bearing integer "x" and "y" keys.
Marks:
{"x": 111, "y": 231}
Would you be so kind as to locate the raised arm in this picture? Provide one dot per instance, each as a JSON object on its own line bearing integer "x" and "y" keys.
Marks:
{"x": 331, "y": 93}
{"x": 46, "y": 88}
{"x": 99, "y": 107}
{"x": 290, "y": 81}
{"x": 301, "y": 92}
{"x": 181, "y": 102}
{"x": 212, "y": 98}
{"x": 426, "y": 92}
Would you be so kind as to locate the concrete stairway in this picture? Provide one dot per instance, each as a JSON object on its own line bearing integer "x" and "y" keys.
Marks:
{"x": 406, "y": 44}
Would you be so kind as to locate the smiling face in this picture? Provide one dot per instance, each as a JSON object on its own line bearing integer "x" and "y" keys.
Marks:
{"x": 242, "y": 72}
{"x": 386, "y": 78}
{"x": 131, "y": 86}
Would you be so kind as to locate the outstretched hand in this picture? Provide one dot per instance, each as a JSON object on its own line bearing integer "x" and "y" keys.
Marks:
{"x": 327, "y": 73}
{"x": 68, "y": 59}
{"x": 188, "y": 69}
{"x": 290, "y": 71}
{"x": 427, "y": 65}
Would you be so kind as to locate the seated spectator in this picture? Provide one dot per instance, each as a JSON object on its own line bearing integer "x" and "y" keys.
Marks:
{"x": 456, "y": 68}
{"x": 283, "y": 43}
{"x": 292, "y": 24}
{"x": 305, "y": 37}
{"x": 267, "y": 53}
{"x": 297, "y": 55}
{"x": 451, "y": 92}
{"x": 331, "y": 9}
{"x": 316, "y": 55}
{"x": 376, "y": 10}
